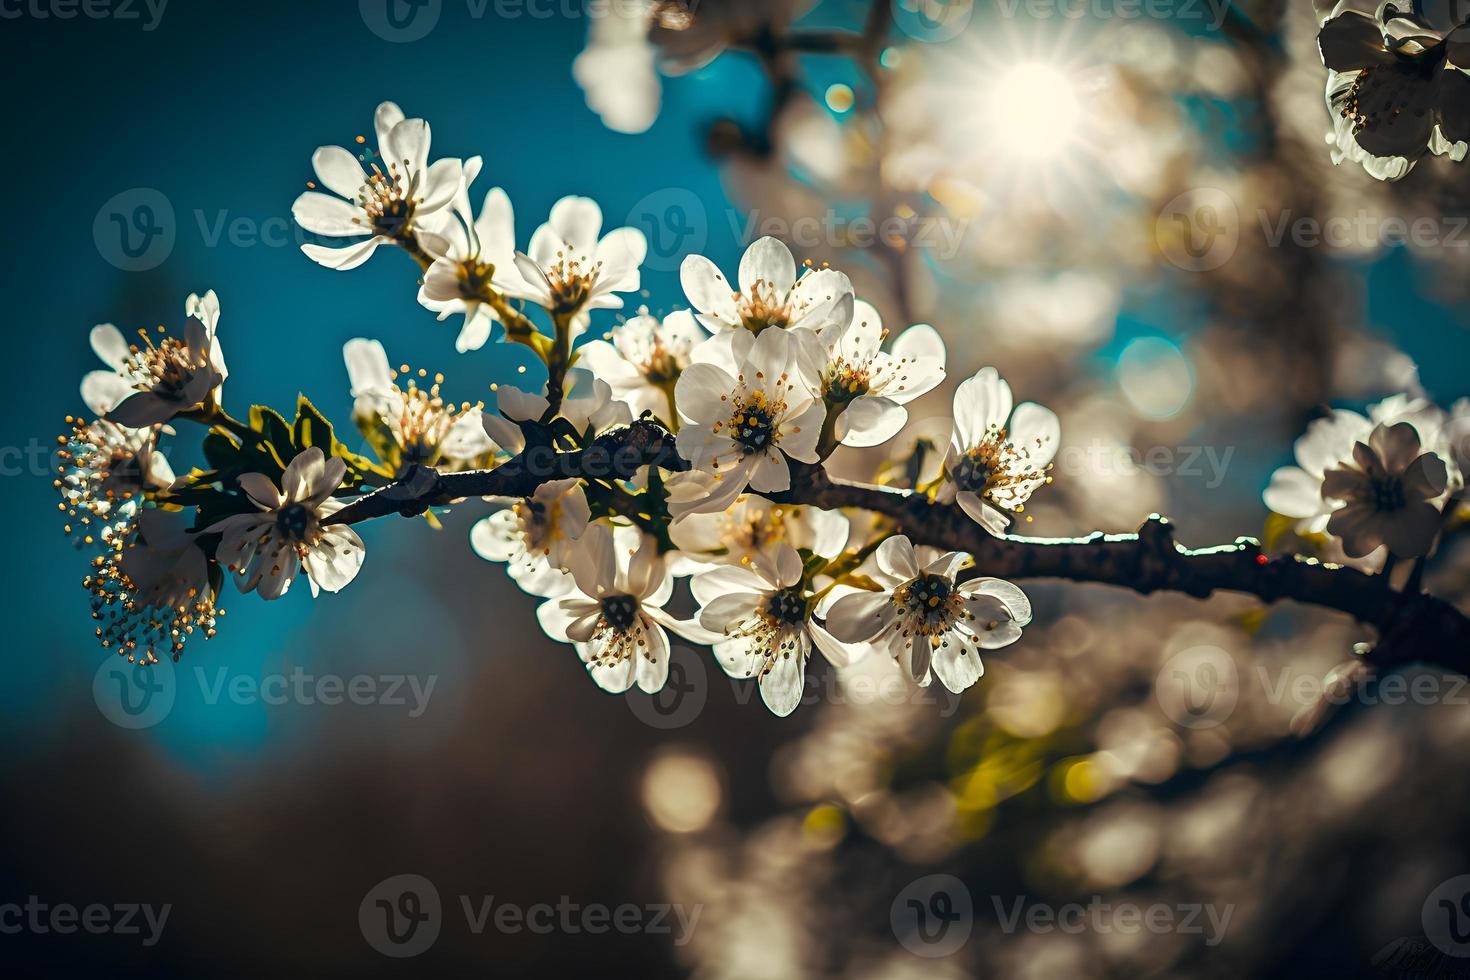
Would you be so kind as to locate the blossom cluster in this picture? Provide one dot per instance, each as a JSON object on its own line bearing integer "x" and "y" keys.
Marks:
{"x": 757, "y": 383}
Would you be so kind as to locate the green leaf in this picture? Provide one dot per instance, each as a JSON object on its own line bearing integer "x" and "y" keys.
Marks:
{"x": 312, "y": 428}
{"x": 276, "y": 434}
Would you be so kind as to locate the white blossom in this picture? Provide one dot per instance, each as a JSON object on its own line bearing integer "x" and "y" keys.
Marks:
{"x": 569, "y": 271}
{"x": 769, "y": 293}
{"x": 615, "y": 617}
{"x": 149, "y": 384}
{"x": 265, "y": 550}
{"x": 421, "y": 427}
{"x": 536, "y": 536}
{"x": 765, "y": 612}
{"x": 847, "y": 366}
{"x": 926, "y": 620}
{"x": 740, "y": 430}
{"x": 1383, "y": 497}
{"x": 996, "y": 457}
{"x": 643, "y": 359}
{"x": 385, "y": 202}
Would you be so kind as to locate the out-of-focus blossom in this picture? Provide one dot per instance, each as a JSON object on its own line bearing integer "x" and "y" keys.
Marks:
{"x": 151, "y": 384}
{"x": 1397, "y": 86}
{"x": 535, "y": 536}
{"x": 1384, "y": 495}
{"x": 644, "y": 359}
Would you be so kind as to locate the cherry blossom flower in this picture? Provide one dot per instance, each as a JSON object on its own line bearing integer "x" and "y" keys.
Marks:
{"x": 569, "y": 271}
{"x": 997, "y": 458}
{"x": 385, "y": 203}
{"x": 414, "y": 424}
{"x": 1384, "y": 496}
{"x": 765, "y": 612}
{"x": 592, "y": 410}
{"x": 752, "y": 530}
{"x": 1397, "y": 88}
{"x": 740, "y": 430}
{"x": 644, "y": 359}
{"x": 616, "y": 70}
{"x": 615, "y": 618}
{"x": 926, "y": 620}
{"x": 150, "y": 384}
{"x": 1296, "y": 491}
{"x": 848, "y": 367}
{"x": 769, "y": 295}
{"x": 266, "y": 550}
{"x": 536, "y": 536}
{"x": 151, "y": 590}
{"x": 471, "y": 255}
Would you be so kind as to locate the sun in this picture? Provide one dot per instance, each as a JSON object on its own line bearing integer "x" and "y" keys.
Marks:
{"x": 1034, "y": 110}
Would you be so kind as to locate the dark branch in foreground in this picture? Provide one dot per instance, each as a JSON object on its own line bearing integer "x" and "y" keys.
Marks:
{"x": 1411, "y": 626}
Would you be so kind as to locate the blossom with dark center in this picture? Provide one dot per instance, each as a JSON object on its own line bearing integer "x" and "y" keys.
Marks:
{"x": 739, "y": 431}
{"x": 765, "y": 611}
{"x": 928, "y": 621}
{"x": 615, "y": 618}
{"x": 1385, "y": 495}
{"x": 267, "y": 549}
{"x": 387, "y": 201}
{"x": 1397, "y": 87}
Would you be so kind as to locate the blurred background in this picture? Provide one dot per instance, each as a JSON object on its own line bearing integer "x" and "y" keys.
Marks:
{"x": 1130, "y": 210}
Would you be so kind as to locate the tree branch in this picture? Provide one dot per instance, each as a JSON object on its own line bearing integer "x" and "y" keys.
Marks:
{"x": 1411, "y": 626}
